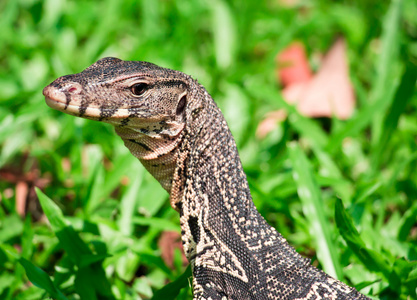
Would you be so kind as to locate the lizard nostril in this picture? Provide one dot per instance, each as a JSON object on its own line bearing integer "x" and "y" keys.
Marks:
{"x": 73, "y": 88}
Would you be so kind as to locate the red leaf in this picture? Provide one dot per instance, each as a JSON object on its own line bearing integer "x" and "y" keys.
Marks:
{"x": 330, "y": 92}
{"x": 293, "y": 65}
{"x": 326, "y": 94}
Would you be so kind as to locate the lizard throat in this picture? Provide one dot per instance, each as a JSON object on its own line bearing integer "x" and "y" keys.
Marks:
{"x": 157, "y": 150}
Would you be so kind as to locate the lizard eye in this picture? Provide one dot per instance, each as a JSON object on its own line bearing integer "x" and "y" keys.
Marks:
{"x": 139, "y": 88}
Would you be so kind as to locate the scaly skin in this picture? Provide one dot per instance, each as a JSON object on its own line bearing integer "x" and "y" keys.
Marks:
{"x": 172, "y": 125}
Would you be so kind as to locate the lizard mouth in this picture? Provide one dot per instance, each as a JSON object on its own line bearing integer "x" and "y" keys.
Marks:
{"x": 58, "y": 100}
{"x": 93, "y": 113}
{"x": 73, "y": 105}
{"x": 62, "y": 106}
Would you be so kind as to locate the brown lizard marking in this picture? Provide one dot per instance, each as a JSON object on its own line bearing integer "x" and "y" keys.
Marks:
{"x": 172, "y": 125}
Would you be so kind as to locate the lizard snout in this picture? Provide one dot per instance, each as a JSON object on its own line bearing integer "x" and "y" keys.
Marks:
{"x": 53, "y": 94}
{"x": 61, "y": 95}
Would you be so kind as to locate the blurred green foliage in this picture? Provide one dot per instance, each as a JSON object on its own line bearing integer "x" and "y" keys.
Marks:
{"x": 106, "y": 212}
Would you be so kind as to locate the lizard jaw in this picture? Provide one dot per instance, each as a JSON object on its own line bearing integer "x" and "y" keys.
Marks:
{"x": 57, "y": 99}
{"x": 70, "y": 102}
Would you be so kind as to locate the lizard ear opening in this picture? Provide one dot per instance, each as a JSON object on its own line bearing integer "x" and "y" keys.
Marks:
{"x": 181, "y": 105}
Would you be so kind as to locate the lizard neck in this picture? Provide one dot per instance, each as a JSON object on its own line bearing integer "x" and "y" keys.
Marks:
{"x": 224, "y": 237}
{"x": 155, "y": 143}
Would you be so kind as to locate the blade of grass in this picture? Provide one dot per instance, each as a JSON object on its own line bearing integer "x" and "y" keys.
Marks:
{"x": 171, "y": 290}
{"x": 113, "y": 176}
{"x": 127, "y": 265}
{"x": 92, "y": 279}
{"x": 224, "y": 33}
{"x": 310, "y": 196}
{"x": 156, "y": 223}
{"x": 370, "y": 259}
{"x": 389, "y": 51}
{"x": 52, "y": 211}
{"x": 408, "y": 221}
{"x": 152, "y": 260}
{"x": 330, "y": 170}
{"x": 11, "y": 227}
{"x": 409, "y": 160}
{"x": 83, "y": 284}
{"x": 353, "y": 126}
{"x": 368, "y": 190}
{"x": 150, "y": 26}
{"x": 382, "y": 86}
{"x": 67, "y": 236}
{"x": 404, "y": 93}
{"x": 93, "y": 199}
{"x": 39, "y": 278}
{"x": 27, "y": 238}
{"x": 128, "y": 204}
{"x": 105, "y": 25}
{"x": 18, "y": 273}
{"x": 6, "y": 281}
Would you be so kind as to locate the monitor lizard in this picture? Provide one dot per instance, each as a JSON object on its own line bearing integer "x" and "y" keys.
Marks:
{"x": 172, "y": 125}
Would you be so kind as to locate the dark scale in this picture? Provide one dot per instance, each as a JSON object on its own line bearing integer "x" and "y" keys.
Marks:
{"x": 144, "y": 130}
{"x": 125, "y": 121}
{"x": 193, "y": 224}
{"x": 235, "y": 254}
{"x": 140, "y": 144}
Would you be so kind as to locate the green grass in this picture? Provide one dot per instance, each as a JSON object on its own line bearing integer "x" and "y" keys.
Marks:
{"x": 342, "y": 192}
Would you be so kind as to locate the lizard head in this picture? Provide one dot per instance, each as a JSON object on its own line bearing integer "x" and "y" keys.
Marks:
{"x": 121, "y": 93}
{"x": 149, "y": 106}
